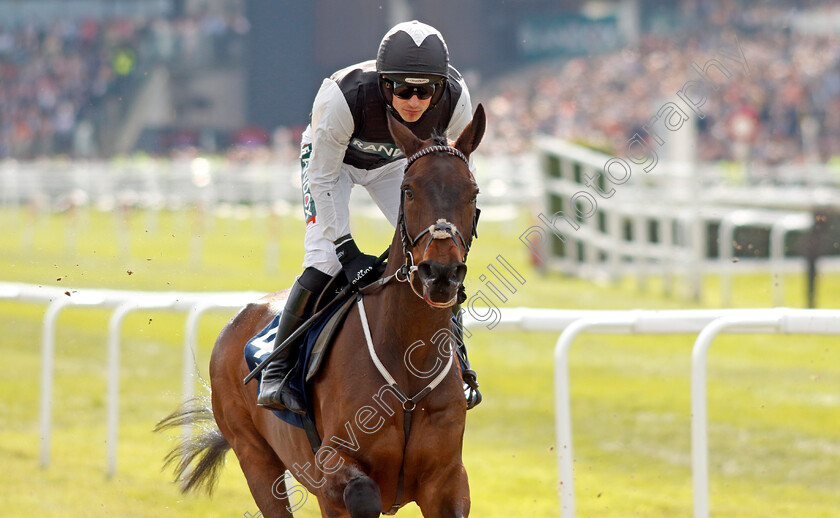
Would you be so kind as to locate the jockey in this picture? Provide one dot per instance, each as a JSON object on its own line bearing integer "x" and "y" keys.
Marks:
{"x": 348, "y": 143}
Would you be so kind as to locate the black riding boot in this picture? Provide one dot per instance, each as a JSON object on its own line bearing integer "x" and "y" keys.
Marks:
{"x": 470, "y": 382}
{"x": 275, "y": 392}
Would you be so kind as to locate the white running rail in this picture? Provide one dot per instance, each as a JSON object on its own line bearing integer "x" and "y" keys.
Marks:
{"x": 122, "y": 303}
{"x": 706, "y": 324}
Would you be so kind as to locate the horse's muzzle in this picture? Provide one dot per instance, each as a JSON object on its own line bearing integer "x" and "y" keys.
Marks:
{"x": 441, "y": 281}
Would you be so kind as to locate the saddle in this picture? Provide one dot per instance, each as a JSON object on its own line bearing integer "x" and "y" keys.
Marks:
{"x": 314, "y": 345}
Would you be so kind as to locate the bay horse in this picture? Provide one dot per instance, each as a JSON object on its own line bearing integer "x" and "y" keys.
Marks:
{"x": 379, "y": 447}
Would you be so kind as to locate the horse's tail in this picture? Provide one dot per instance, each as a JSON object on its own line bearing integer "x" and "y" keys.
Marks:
{"x": 199, "y": 458}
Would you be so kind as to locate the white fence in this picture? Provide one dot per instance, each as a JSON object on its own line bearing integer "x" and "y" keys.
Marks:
{"x": 121, "y": 303}
{"x": 148, "y": 183}
{"x": 602, "y": 220}
{"x": 706, "y": 324}
{"x": 154, "y": 183}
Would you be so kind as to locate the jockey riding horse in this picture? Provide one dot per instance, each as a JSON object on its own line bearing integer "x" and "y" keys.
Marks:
{"x": 348, "y": 142}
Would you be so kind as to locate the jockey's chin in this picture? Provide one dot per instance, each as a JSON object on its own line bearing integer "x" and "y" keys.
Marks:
{"x": 411, "y": 109}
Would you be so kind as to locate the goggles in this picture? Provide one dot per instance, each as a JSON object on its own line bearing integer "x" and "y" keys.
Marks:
{"x": 406, "y": 90}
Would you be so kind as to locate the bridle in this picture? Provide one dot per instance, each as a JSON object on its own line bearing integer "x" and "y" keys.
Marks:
{"x": 441, "y": 229}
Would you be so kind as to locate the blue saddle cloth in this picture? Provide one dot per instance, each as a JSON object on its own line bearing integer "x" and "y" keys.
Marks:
{"x": 261, "y": 346}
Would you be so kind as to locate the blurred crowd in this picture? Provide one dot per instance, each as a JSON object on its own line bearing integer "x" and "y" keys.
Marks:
{"x": 786, "y": 110}
{"x": 49, "y": 75}
{"x": 54, "y": 77}
{"x": 58, "y": 78}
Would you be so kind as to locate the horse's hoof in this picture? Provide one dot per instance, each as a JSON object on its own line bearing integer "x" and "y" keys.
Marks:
{"x": 362, "y": 498}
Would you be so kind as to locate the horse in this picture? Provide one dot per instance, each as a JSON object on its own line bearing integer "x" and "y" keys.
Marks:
{"x": 380, "y": 444}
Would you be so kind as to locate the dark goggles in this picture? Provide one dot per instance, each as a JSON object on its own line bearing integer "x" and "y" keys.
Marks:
{"x": 408, "y": 90}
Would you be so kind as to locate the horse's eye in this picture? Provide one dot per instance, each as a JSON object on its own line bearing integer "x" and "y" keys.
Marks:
{"x": 409, "y": 194}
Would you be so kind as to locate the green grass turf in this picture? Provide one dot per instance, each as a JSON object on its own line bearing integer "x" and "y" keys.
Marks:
{"x": 774, "y": 402}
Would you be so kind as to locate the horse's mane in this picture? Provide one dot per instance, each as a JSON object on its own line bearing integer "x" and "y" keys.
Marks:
{"x": 439, "y": 140}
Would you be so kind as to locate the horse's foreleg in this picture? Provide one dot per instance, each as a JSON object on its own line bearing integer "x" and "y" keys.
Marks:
{"x": 362, "y": 497}
{"x": 446, "y": 494}
{"x": 349, "y": 492}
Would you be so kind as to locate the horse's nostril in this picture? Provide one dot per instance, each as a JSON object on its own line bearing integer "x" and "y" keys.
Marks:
{"x": 432, "y": 271}
{"x": 424, "y": 270}
{"x": 458, "y": 273}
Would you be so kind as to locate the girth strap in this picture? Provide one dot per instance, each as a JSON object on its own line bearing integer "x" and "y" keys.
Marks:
{"x": 311, "y": 434}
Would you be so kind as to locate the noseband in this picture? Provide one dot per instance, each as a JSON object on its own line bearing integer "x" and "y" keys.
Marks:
{"x": 441, "y": 229}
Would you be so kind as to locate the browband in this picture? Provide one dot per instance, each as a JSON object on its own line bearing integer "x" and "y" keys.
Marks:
{"x": 434, "y": 149}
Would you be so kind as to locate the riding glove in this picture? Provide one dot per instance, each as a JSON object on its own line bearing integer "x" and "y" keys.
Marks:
{"x": 359, "y": 268}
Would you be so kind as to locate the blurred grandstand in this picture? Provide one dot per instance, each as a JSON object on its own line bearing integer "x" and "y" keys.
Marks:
{"x": 792, "y": 93}
{"x": 171, "y": 102}
{"x": 79, "y": 85}
{"x": 121, "y": 77}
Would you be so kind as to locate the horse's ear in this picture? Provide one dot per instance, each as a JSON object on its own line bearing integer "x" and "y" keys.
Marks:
{"x": 471, "y": 136}
{"x": 405, "y": 139}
